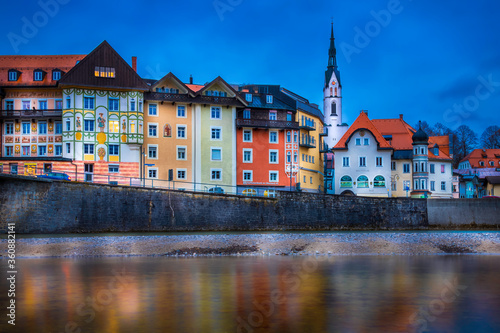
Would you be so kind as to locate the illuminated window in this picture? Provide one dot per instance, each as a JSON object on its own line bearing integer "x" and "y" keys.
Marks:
{"x": 114, "y": 126}
{"x": 108, "y": 72}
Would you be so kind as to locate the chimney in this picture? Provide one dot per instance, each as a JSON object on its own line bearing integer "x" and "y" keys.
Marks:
{"x": 134, "y": 64}
{"x": 401, "y": 116}
{"x": 190, "y": 79}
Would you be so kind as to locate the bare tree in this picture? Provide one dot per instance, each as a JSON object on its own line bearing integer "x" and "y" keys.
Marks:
{"x": 439, "y": 129}
{"x": 466, "y": 141}
{"x": 490, "y": 139}
{"x": 425, "y": 127}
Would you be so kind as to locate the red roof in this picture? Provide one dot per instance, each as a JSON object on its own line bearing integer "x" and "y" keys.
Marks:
{"x": 26, "y": 64}
{"x": 484, "y": 155}
{"x": 362, "y": 122}
{"x": 400, "y": 131}
{"x": 195, "y": 87}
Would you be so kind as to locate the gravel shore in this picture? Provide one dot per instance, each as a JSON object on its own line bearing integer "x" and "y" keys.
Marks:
{"x": 342, "y": 243}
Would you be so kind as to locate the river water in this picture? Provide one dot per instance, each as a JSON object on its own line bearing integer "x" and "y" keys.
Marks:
{"x": 442, "y": 293}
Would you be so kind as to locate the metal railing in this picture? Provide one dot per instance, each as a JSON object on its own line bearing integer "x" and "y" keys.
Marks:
{"x": 31, "y": 113}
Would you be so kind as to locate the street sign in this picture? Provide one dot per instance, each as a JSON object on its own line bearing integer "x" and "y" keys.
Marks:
{"x": 149, "y": 164}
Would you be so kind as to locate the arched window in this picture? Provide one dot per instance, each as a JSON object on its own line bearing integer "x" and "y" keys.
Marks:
{"x": 288, "y": 137}
{"x": 295, "y": 157}
{"x": 295, "y": 138}
{"x": 362, "y": 182}
{"x": 289, "y": 157}
{"x": 379, "y": 181}
{"x": 334, "y": 109}
{"x": 346, "y": 181}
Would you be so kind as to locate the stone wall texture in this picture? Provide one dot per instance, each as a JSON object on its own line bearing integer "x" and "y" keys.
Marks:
{"x": 45, "y": 206}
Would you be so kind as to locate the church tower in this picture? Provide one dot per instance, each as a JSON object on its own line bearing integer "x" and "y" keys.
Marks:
{"x": 332, "y": 98}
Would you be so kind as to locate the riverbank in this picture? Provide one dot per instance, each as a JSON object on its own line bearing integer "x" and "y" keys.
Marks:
{"x": 349, "y": 243}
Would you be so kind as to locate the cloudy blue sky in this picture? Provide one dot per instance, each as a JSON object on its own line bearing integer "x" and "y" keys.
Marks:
{"x": 437, "y": 61}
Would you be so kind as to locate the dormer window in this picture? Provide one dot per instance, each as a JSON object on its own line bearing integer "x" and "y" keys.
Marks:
{"x": 56, "y": 75}
{"x": 269, "y": 99}
{"x": 108, "y": 72}
{"x": 13, "y": 75}
{"x": 38, "y": 75}
{"x": 248, "y": 97}
{"x": 436, "y": 151}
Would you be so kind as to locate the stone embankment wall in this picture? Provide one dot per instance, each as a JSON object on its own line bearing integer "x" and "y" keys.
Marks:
{"x": 464, "y": 212}
{"x": 44, "y": 206}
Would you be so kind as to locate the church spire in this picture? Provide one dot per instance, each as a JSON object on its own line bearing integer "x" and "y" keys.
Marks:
{"x": 332, "y": 60}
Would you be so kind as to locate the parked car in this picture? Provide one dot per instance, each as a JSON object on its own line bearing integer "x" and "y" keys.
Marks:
{"x": 55, "y": 175}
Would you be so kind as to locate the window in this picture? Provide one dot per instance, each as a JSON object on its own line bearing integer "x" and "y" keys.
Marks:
{"x": 9, "y": 128}
{"x": 431, "y": 168}
{"x": 273, "y": 176}
{"x": 424, "y": 184}
{"x": 9, "y": 105}
{"x": 366, "y": 142}
{"x": 443, "y": 186}
{"x": 152, "y": 110}
{"x": 346, "y": 181}
{"x": 216, "y": 154}
{"x": 88, "y": 149}
{"x": 114, "y": 126}
{"x": 181, "y": 153}
{"x": 68, "y": 125}
{"x": 288, "y": 136}
{"x": 247, "y": 176}
{"x": 406, "y": 168}
{"x": 68, "y": 148}
{"x": 152, "y": 173}
{"x": 273, "y": 137}
{"x": 181, "y": 174}
{"x": 42, "y": 128}
{"x": 358, "y": 142}
{"x": 362, "y": 182}
{"x": 269, "y": 99}
{"x": 304, "y": 179}
{"x": 181, "y": 111}
{"x": 442, "y": 168}
{"x": 181, "y": 132}
{"x": 9, "y": 151}
{"x": 152, "y": 152}
{"x": 379, "y": 181}
{"x": 88, "y": 125}
{"x": 345, "y": 162}
{"x": 58, "y": 150}
{"x": 12, "y": 75}
{"x": 248, "y": 97}
{"x": 42, "y": 105}
{"x": 132, "y": 105}
{"x": 140, "y": 109}
{"x": 378, "y": 161}
{"x": 295, "y": 157}
{"x": 393, "y": 165}
{"x": 88, "y": 103}
{"x": 481, "y": 163}
{"x": 288, "y": 157}
{"x": 153, "y": 130}
{"x": 247, "y": 155}
{"x": 113, "y": 168}
{"x": 215, "y": 113}
{"x": 246, "y": 114}
{"x": 113, "y": 150}
{"x": 272, "y": 115}
{"x": 113, "y": 104}
{"x": 68, "y": 102}
{"x": 394, "y": 186}
{"x": 433, "y": 185}
{"x": 216, "y": 134}
{"x": 492, "y": 163}
{"x": 26, "y": 105}
{"x": 56, "y": 75}
{"x": 26, "y": 128}
{"x": 38, "y": 75}
{"x": 311, "y": 180}
{"x": 58, "y": 104}
{"x": 108, "y": 72}
{"x": 362, "y": 161}
{"x": 58, "y": 127}
{"x": 215, "y": 174}
{"x": 247, "y": 135}
{"x": 295, "y": 135}
{"x": 26, "y": 150}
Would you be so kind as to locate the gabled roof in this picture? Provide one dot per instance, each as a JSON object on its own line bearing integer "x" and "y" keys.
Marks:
{"x": 26, "y": 64}
{"x": 171, "y": 77}
{"x": 363, "y": 123}
{"x": 194, "y": 87}
{"x": 104, "y": 55}
{"x": 221, "y": 81}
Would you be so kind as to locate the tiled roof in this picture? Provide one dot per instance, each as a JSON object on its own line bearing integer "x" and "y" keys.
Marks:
{"x": 26, "y": 64}
{"x": 482, "y": 173}
{"x": 485, "y": 155}
{"x": 363, "y": 122}
{"x": 443, "y": 143}
{"x": 195, "y": 87}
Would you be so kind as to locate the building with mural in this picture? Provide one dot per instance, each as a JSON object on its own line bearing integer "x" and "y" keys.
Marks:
{"x": 102, "y": 120}
{"x": 31, "y": 105}
{"x": 267, "y": 141}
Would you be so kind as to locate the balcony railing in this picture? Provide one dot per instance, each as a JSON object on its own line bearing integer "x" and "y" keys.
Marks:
{"x": 308, "y": 142}
{"x": 264, "y": 123}
{"x": 323, "y": 148}
{"x": 308, "y": 125}
{"x": 30, "y": 113}
{"x": 324, "y": 131}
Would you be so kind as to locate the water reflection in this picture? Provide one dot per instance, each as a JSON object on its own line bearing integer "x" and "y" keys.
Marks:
{"x": 259, "y": 294}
